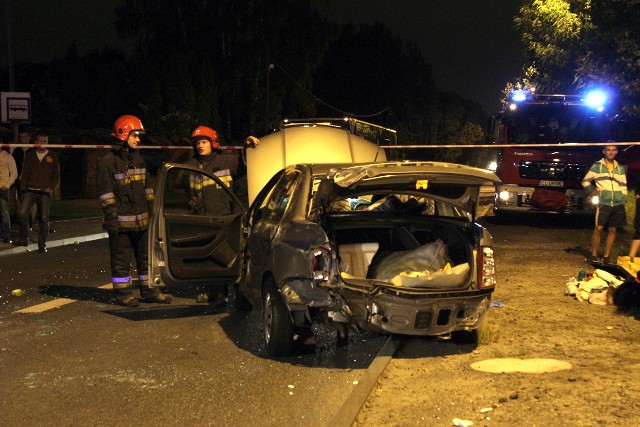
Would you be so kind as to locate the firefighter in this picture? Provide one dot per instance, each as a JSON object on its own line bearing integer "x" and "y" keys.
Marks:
{"x": 207, "y": 156}
{"x": 127, "y": 197}
{"x": 205, "y": 193}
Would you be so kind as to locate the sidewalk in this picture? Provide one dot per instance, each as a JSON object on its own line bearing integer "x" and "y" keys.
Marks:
{"x": 67, "y": 232}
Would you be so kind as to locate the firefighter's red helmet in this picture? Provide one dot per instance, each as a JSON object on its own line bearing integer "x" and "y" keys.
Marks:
{"x": 208, "y": 133}
{"x": 126, "y": 124}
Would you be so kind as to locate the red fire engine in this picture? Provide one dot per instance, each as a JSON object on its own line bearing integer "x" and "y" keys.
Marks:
{"x": 539, "y": 172}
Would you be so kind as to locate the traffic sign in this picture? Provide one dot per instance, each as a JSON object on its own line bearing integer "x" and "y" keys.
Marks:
{"x": 16, "y": 107}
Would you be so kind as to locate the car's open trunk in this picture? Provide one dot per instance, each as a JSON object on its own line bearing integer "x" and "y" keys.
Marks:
{"x": 409, "y": 252}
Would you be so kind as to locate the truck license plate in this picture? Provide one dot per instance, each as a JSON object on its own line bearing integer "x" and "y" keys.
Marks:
{"x": 544, "y": 183}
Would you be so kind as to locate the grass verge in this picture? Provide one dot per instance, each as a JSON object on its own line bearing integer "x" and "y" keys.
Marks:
{"x": 66, "y": 209}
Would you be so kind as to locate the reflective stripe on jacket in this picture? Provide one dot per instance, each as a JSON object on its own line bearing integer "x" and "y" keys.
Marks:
{"x": 124, "y": 188}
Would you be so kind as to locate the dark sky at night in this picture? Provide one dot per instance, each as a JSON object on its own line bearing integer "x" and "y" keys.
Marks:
{"x": 471, "y": 44}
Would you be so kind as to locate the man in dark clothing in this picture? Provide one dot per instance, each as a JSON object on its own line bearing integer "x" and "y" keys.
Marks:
{"x": 40, "y": 176}
{"x": 204, "y": 192}
{"x": 205, "y": 199}
{"x": 127, "y": 200}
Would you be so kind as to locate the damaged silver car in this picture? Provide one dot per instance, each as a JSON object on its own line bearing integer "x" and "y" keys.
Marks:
{"x": 389, "y": 247}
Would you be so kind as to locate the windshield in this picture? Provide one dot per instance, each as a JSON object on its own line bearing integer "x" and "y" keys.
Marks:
{"x": 397, "y": 204}
{"x": 556, "y": 123}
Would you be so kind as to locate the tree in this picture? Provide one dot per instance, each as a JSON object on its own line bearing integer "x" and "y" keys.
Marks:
{"x": 207, "y": 61}
{"x": 552, "y": 32}
{"x": 613, "y": 51}
{"x": 457, "y": 122}
{"x": 579, "y": 44}
{"x": 371, "y": 74}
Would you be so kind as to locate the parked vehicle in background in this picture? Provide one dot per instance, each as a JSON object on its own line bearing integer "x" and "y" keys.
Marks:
{"x": 542, "y": 169}
{"x": 389, "y": 247}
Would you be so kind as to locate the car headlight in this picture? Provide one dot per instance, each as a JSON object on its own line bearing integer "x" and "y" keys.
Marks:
{"x": 505, "y": 195}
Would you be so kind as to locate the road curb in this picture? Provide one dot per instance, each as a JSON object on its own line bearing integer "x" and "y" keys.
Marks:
{"x": 33, "y": 247}
{"x": 350, "y": 409}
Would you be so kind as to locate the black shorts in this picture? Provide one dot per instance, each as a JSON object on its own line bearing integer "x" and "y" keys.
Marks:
{"x": 636, "y": 222}
{"x": 613, "y": 216}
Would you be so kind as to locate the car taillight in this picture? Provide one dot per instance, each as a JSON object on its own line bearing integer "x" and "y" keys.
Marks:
{"x": 321, "y": 263}
{"x": 486, "y": 268}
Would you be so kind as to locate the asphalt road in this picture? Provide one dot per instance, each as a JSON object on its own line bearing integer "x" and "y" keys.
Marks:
{"x": 91, "y": 362}
{"x": 83, "y": 360}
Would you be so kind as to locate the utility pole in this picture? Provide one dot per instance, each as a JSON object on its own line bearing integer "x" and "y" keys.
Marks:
{"x": 7, "y": 24}
{"x": 267, "y": 108}
{"x": 12, "y": 84}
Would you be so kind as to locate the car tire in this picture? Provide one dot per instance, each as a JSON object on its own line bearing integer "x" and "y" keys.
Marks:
{"x": 240, "y": 302}
{"x": 278, "y": 326}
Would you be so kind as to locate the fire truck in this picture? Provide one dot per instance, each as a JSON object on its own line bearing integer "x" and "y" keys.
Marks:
{"x": 539, "y": 164}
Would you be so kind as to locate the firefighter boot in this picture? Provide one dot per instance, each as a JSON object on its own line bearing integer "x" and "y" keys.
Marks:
{"x": 124, "y": 296}
{"x": 149, "y": 293}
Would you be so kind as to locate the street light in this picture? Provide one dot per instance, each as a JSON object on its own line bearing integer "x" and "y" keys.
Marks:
{"x": 7, "y": 16}
{"x": 266, "y": 105}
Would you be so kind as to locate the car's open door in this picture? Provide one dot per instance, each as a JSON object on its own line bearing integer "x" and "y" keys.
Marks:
{"x": 187, "y": 244}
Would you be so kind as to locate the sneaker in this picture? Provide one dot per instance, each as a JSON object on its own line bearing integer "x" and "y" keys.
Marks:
{"x": 594, "y": 260}
{"x": 6, "y": 240}
{"x": 605, "y": 260}
{"x": 19, "y": 243}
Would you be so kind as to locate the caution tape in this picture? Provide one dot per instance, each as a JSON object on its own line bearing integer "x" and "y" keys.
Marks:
{"x": 240, "y": 147}
{"x": 566, "y": 144}
{"x": 144, "y": 147}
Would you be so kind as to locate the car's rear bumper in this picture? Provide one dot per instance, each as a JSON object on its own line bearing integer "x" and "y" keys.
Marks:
{"x": 422, "y": 316}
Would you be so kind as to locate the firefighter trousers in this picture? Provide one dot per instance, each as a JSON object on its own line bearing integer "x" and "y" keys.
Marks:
{"x": 123, "y": 245}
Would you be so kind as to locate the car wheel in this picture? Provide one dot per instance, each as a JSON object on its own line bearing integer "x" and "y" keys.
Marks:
{"x": 278, "y": 326}
{"x": 240, "y": 302}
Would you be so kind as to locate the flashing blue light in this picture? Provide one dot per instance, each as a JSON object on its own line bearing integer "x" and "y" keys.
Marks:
{"x": 519, "y": 95}
{"x": 596, "y": 99}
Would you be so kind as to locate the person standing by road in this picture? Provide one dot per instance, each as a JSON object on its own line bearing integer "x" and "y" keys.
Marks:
{"x": 206, "y": 156}
{"x": 8, "y": 175}
{"x": 126, "y": 197}
{"x": 40, "y": 176}
{"x": 24, "y": 137}
{"x": 635, "y": 243}
{"x": 607, "y": 179}
{"x": 205, "y": 193}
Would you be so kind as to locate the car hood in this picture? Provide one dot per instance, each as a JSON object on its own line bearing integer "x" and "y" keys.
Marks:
{"x": 456, "y": 184}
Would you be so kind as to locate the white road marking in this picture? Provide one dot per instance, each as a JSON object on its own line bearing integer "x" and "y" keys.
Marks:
{"x": 58, "y": 302}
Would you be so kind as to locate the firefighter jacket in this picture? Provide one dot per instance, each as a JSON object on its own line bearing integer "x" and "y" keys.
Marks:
{"x": 611, "y": 183}
{"x": 206, "y": 196}
{"x": 40, "y": 174}
{"x": 126, "y": 195}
